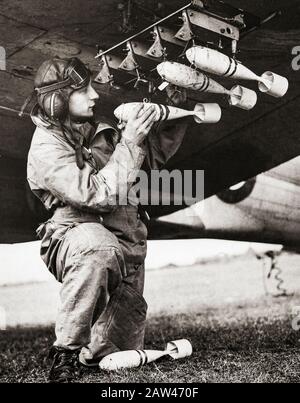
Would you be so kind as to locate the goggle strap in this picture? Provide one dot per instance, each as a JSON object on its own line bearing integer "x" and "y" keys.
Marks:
{"x": 54, "y": 87}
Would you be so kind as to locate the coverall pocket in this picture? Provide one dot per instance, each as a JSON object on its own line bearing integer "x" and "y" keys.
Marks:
{"x": 126, "y": 318}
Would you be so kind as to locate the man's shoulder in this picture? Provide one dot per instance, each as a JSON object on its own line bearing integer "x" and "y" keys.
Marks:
{"x": 46, "y": 135}
{"x": 46, "y": 144}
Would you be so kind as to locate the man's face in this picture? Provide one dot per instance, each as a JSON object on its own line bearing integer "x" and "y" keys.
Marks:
{"x": 82, "y": 102}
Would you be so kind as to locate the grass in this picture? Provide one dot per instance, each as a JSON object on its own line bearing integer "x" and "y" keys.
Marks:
{"x": 233, "y": 344}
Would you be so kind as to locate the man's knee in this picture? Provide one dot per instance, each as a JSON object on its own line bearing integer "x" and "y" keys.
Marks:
{"x": 92, "y": 237}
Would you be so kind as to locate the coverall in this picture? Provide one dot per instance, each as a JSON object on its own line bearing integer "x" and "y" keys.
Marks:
{"x": 94, "y": 248}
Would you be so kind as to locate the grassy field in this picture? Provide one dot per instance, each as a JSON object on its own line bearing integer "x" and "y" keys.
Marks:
{"x": 237, "y": 343}
{"x": 239, "y": 332}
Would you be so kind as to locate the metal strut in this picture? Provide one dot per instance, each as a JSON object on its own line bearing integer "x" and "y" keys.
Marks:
{"x": 276, "y": 271}
{"x": 143, "y": 31}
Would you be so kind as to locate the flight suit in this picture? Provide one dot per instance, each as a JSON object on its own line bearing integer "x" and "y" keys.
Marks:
{"x": 94, "y": 247}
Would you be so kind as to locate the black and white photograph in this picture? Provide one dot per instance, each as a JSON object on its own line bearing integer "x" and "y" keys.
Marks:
{"x": 149, "y": 201}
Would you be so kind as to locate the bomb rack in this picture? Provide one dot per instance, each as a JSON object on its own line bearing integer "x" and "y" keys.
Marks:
{"x": 208, "y": 22}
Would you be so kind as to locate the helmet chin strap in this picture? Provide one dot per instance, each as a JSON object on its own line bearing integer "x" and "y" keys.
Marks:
{"x": 76, "y": 139}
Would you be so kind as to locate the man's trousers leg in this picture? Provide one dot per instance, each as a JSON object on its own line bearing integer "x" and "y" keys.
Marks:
{"x": 90, "y": 265}
{"x": 121, "y": 325}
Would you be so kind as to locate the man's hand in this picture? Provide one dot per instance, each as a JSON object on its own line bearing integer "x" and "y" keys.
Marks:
{"x": 139, "y": 123}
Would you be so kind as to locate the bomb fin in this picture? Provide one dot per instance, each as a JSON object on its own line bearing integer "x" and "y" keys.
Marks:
{"x": 207, "y": 113}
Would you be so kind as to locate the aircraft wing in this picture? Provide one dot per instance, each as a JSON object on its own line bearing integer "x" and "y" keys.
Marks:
{"x": 242, "y": 145}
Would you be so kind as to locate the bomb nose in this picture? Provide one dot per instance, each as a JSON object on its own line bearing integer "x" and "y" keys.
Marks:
{"x": 190, "y": 54}
{"x": 161, "y": 69}
{"x": 117, "y": 112}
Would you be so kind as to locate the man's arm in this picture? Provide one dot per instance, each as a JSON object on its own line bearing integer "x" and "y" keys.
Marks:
{"x": 163, "y": 143}
{"x": 55, "y": 165}
{"x": 53, "y": 162}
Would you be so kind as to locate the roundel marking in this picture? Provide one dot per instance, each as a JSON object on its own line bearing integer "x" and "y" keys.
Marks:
{"x": 237, "y": 193}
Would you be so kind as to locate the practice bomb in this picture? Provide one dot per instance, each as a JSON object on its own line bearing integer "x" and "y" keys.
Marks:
{"x": 189, "y": 78}
{"x": 136, "y": 358}
{"x": 215, "y": 62}
{"x": 203, "y": 113}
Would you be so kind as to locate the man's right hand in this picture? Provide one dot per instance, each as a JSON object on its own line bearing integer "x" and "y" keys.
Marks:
{"x": 139, "y": 123}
